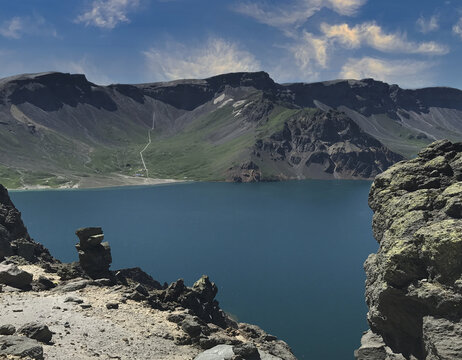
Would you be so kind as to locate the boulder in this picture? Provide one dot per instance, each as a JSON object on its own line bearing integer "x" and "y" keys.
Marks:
{"x": 20, "y": 346}
{"x": 13, "y": 276}
{"x": 36, "y": 331}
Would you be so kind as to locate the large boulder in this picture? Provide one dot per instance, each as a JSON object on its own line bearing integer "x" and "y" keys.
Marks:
{"x": 414, "y": 281}
{"x": 36, "y": 331}
{"x": 20, "y": 346}
{"x": 13, "y": 276}
{"x": 94, "y": 255}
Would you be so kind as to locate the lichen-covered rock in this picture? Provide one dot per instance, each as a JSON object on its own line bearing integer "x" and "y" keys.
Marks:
{"x": 414, "y": 281}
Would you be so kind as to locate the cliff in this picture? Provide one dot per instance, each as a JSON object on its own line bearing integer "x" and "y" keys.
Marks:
{"x": 414, "y": 281}
{"x": 84, "y": 310}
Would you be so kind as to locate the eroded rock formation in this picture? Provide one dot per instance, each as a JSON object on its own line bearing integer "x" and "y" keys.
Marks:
{"x": 94, "y": 255}
{"x": 414, "y": 281}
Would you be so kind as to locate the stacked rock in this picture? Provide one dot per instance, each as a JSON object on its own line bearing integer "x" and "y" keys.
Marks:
{"x": 94, "y": 255}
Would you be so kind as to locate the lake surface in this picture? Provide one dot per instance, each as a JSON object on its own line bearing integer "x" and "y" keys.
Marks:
{"x": 285, "y": 256}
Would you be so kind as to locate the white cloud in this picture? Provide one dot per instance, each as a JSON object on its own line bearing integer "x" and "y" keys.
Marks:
{"x": 457, "y": 28}
{"x": 216, "y": 56}
{"x": 372, "y": 35}
{"x": 426, "y": 26}
{"x": 407, "y": 73}
{"x": 295, "y": 12}
{"x": 17, "y": 27}
{"x": 108, "y": 13}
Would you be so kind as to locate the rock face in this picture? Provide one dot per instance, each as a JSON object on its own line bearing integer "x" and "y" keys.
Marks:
{"x": 320, "y": 144}
{"x": 414, "y": 281}
{"x": 14, "y": 238}
{"x": 94, "y": 255}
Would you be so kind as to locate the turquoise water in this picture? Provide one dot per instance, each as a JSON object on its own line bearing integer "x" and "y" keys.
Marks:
{"x": 286, "y": 256}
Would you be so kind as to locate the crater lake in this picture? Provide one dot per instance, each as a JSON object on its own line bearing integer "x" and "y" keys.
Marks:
{"x": 286, "y": 256}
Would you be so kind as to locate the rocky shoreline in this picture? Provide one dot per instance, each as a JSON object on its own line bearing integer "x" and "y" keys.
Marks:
{"x": 84, "y": 310}
{"x": 414, "y": 281}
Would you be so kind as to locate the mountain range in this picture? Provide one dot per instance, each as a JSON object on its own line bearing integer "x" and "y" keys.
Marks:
{"x": 59, "y": 129}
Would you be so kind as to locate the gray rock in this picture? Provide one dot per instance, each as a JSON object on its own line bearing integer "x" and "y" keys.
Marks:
{"x": 37, "y": 331}
{"x": 20, "y": 346}
{"x": 11, "y": 275}
{"x": 7, "y": 329}
{"x": 74, "y": 285}
{"x": 112, "y": 305}
{"x": 73, "y": 299}
{"x": 225, "y": 352}
{"x": 442, "y": 338}
{"x": 247, "y": 351}
{"x": 374, "y": 348}
{"x": 191, "y": 327}
{"x": 44, "y": 283}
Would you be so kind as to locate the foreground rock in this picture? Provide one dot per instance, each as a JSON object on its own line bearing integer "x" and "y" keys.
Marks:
{"x": 20, "y": 346}
{"x": 11, "y": 275}
{"x": 414, "y": 282}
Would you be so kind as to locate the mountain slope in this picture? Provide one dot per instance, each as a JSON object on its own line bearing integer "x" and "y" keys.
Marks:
{"x": 59, "y": 128}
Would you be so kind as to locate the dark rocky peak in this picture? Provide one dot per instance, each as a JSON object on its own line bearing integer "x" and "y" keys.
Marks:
{"x": 258, "y": 80}
{"x": 189, "y": 94}
{"x": 51, "y": 91}
{"x": 369, "y": 96}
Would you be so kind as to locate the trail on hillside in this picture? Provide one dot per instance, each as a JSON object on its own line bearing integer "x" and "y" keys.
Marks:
{"x": 149, "y": 143}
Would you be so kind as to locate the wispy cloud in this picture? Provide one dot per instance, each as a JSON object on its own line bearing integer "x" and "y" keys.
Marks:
{"x": 310, "y": 51}
{"x": 107, "y": 13}
{"x": 428, "y": 25}
{"x": 216, "y": 56}
{"x": 83, "y": 66}
{"x": 408, "y": 73}
{"x": 457, "y": 28}
{"x": 17, "y": 27}
{"x": 295, "y": 12}
{"x": 372, "y": 35}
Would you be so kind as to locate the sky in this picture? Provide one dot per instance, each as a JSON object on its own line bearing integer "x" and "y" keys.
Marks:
{"x": 413, "y": 43}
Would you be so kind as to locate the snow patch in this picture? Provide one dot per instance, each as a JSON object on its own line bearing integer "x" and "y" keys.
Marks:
{"x": 219, "y": 99}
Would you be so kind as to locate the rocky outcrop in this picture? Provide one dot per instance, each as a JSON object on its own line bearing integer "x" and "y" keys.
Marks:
{"x": 14, "y": 238}
{"x": 414, "y": 281}
{"x": 94, "y": 255}
{"x": 325, "y": 144}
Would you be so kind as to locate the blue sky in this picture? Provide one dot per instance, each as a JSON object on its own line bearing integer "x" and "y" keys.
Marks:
{"x": 409, "y": 42}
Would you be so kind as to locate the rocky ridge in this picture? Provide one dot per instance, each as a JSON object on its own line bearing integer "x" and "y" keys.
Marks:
{"x": 74, "y": 133}
{"x": 84, "y": 310}
{"x": 414, "y": 281}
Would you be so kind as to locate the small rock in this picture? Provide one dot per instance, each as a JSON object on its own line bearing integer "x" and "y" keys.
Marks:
{"x": 191, "y": 327}
{"x": 45, "y": 283}
{"x": 112, "y": 305}
{"x": 7, "y": 329}
{"x": 37, "y": 331}
{"x": 73, "y": 299}
{"x": 85, "y": 306}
